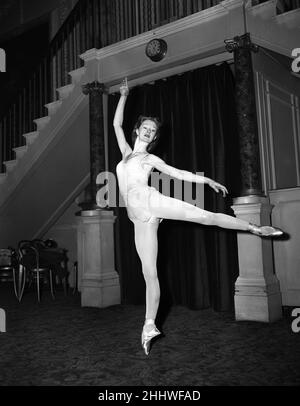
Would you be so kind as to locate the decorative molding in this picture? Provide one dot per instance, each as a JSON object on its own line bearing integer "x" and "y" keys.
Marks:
{"x": 163, "y": 31}
{"x": 296, "y": 135}
{"x": 270, "y": 135}
{"x": 262, "y": 131}
{"x": 240, "y": 42}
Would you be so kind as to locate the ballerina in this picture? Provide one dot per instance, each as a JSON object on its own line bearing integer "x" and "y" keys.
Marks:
{"x": 146, "y": 207}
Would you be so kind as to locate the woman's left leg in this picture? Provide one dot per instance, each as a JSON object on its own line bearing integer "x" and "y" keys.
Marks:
{"x": 145, "y": 235}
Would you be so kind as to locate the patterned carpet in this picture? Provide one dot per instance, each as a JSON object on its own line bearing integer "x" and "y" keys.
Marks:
{"x": 59, "y": 343}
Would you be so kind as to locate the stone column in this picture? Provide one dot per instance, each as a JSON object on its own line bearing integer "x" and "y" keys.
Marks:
{"x": 95, "y": 91}
{"x": 257, "y": 292}
{"x": 98, "y": 280}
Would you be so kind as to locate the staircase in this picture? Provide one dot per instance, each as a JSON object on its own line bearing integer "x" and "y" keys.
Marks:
{"x": 50, "y": 170}
{"x": 47, "y": 167}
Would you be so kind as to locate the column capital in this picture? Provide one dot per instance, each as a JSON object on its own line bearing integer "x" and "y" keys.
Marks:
{"x": 240, "y": 42}
{"x": 92, "y": 87}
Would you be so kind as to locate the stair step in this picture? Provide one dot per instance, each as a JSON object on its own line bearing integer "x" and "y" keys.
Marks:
{"x": 9, "y": 165}
{"x": 77, "y": 74}
{"x": 291, "y": 18}
{"x": 265, "y": 10}
{"x": 20, "y": 151}
{"x": 41, "y": 122}
{"x": 30, "y": 137}
{"x": 3, "y": 177}
{"x": 53, "y": 107}
{"x": 65, "y": 91}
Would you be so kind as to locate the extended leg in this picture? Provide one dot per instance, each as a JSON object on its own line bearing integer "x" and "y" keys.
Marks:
{"x": 170, "y": 208}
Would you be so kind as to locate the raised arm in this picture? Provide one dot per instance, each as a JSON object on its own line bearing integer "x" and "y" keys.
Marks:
{"x": 161, "y": 166}
{"x": 118, "y": 120}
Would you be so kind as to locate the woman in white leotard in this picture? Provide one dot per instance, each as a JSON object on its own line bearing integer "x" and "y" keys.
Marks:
{"x": 146, "y": 206}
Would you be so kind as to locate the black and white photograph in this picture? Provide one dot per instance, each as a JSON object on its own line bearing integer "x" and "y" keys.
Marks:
{"x": 149, "y": 199}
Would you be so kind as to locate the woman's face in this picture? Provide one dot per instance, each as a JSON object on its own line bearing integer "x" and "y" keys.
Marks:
{"x": 147, "y": 131}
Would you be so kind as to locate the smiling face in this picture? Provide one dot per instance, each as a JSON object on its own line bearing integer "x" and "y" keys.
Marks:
{"x": 147, "y": 131}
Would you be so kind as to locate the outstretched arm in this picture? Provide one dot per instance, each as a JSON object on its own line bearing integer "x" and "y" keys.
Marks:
{"x": 118, "y": 120}
{"x": 161, "y": 166}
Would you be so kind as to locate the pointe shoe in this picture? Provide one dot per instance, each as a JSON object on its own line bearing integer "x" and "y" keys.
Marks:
{"x": 265, "y": 231}
{"x": 147, "y": 336}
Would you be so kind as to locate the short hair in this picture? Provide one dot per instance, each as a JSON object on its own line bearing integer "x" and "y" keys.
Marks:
{"x": 140, "y": 120}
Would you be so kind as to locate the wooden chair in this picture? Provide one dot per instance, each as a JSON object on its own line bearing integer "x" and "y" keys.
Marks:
{"x": 34, "y": 268}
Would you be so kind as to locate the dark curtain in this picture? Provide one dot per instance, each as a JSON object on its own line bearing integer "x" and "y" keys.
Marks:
{"x": 197, "y": 265}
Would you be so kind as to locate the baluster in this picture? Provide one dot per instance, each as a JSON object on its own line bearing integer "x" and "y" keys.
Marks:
{"x": 142, "y": 16}
{"x": 88, "y": 14}
{"x": 34, "y": 96}
{"x": 67, "y": 54}
{"x": 54, "y": 74}
{"x": 200, "y": 4}
{"x": 81, "y": 30}
{"x": 20, "y": 110}
{"x": 130, "y": 19}
{"x": 122, "y": 28}
{"x": 85, "y": 28}
{"x": 45, "y": 81}
{"x": 72, "y": 45}
{"x": 29, "y": 106}
{"x": 40, "y": 86}
{"x": 24, "y": 129}
{"x": 62, "y": 60}
{"x": 14, "y": 127}
{"x": 10, "y": 136}
{"x": 4, "y": 138}
{"x": 58, "y": 64}
{"x": 102, "y": 24}
{"x": 112, "y": 21}
{"x": 152, "y": 14}
{"x": 118, "y": 28}
{"x": 77, "y": 42}
{"x": 96, "y": 23}
{"x": 136, "y": 17}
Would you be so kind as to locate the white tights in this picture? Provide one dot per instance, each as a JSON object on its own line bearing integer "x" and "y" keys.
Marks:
{"x": 146, "y": 239}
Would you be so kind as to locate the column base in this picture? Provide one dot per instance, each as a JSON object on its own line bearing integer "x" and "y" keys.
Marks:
{"x": 98, "y": 281}
{"x": 257, "y": 292}
{"x": 256, "y": 301}
{"x": 101, "y": 293}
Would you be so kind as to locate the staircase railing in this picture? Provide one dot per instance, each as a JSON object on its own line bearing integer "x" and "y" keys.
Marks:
{"x": 91, "y": 24}
{"x": 282, "y": 6}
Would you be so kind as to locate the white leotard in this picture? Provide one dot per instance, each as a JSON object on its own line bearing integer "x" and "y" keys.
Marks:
{"x": 133, "y": 176}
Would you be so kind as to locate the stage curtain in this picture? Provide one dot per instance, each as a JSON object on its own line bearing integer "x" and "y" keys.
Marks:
{"x": 197, "y": 265}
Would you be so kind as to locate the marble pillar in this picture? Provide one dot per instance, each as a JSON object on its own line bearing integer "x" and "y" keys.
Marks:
{"x": 95, "y": 91}
{"x": 257, "y": 291}
{"x": 246, "y": 117}
{"x": 98, "y": 280}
